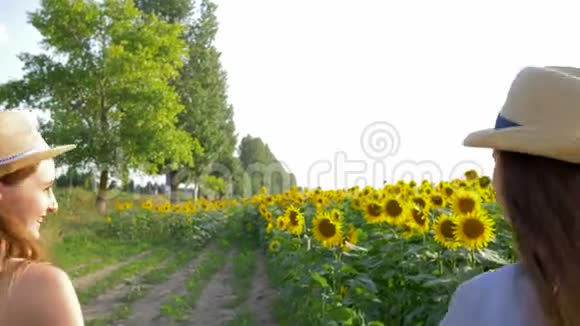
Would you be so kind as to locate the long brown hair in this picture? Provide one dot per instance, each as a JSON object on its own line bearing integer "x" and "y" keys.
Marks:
{"x": 541, "y": 198}
{"x": 18, "y": 242}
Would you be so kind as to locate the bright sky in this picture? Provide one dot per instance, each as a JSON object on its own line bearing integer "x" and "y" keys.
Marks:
{"x": 309, "y": 77}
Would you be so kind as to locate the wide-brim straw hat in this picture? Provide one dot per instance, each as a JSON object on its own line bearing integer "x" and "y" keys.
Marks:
{"x": 21, "y": 143}
{"x": 541, "y": 116}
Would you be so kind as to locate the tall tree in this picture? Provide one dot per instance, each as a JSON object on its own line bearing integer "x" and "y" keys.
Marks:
{"x": 262, "y": 168}
{"x": 202, "y": 86}
{"x": 106, "y": 85}
{"x": 172, "y": 11}
{"x": 168, "y": 10}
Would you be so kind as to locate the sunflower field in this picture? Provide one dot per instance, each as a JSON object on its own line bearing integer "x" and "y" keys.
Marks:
{"x": 187, "y": 222}
{"x": 361, "y": 256}
{"x": 388, "y": 256}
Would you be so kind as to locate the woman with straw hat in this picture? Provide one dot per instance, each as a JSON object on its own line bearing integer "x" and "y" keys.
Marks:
{"x": 32, "y": 291}
{"x": 536, "y": 147}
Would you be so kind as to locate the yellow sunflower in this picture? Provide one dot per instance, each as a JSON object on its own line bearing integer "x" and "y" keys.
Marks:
{"x": 281, "y": 223}
{"x": 444, "y": 227}
{"x": 374, "y": 212}
{"x": 263, "y": 210}
{"x": 336, "y": 214}
{"x": 408, "y": 230}
{"x": 420, "y": 201}
{"x": 447, "y": 191}
{"x": 419, "y": 220}
{"x": 295, "y": 220}
{"x": 466, "y": 202}
{"x": 327, "y": 231}
{"x": 471, "y": 174}
{"x": 268, "y": 216}
{"x": 475, "y": 230}
{"x": 367, "y": 190}
{"x": 148, "y": 205}
{"x": 269, "y": 228}
{"x": 437, "y": 201}
{"x": 351, "y": 237}
{"x": 395, "y": 210}
{"x": 427, "y": 191}
{"x": 484, "y": 181}
{"x": 356, "y": 203}
{"x": 274, "y": 246}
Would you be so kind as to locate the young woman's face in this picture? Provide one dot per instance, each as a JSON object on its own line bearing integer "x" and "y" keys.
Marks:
{"x": 29, "y": 201}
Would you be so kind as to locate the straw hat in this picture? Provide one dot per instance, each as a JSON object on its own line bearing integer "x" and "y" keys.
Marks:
{"x": 21, "y": 143}
{"x": 541, "y": 116}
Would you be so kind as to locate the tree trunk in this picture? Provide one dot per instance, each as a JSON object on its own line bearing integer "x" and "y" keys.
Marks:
{"x": 195, "y": 190}
{"x": 172, "y": 186}
{"x": 101, "y": 203}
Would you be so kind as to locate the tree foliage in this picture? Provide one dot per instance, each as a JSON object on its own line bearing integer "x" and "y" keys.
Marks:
{"x": 139, "y": 84}
{"x": 202, "y": 87}
{"x": 105, "y": 80}
{"x": 262, "y": 168}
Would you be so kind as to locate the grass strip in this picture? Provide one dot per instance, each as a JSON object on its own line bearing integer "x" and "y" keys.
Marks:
{"x": 121, "y": 274}
{"x": 154, "y": 276}
{"x": 179, "y": 307}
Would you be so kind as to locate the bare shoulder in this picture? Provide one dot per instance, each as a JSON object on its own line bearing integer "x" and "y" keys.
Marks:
{"x": 44, "y": 295}
{"x": 43, "y": 272}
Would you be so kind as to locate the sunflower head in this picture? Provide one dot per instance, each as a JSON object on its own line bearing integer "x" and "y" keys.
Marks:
{"x": 262, "y": 209}
{"x": 420, "y": 201}
{"x": 327, "y": 231}
{"x": 274, "y": 246}
{"x": 408, "y": 230}
{"x": 351, "y": 237}
{"x": 374, "y": 212}
{"x": 336, "y": 214}
{"x": 395, "y": 210}
{"x": 397, "y": 189}
{"x": 356, "y": 203}
{"x": 484, "y": 181}
{"x": 366, "y": 191}
{"x": 436, "y": 200}
{"x": 448, "y": 190}
{"x": 281, "y": 223}
{"x": 269, "y": 228}
{"x": 295, "y": 220}
{"x": 444, "y": 228}
{"x": 466, "y": 202}
{"x": 475, "y": 230}
{"x": 427, "y": 191}
{"x": 471, "y": 174}
{"x": 268, "y": 216}
{"x": 419, "y": 219}
{"x": 148, "y": 205}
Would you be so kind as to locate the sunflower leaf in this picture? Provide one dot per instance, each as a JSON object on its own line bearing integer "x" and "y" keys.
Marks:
{"x": 492, "y": 256}
{"x": 320, "y": 279}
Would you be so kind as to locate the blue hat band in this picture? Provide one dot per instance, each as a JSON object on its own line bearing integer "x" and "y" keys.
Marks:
{"x": 503, "y": 122}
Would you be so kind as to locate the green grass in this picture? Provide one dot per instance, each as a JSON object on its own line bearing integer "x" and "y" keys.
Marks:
{"x": 178, "y": 308}
{"x": 124, "y": 273}
{"x": 244, "y": 268}
{"x": 76, "y": 238}
{"x": 145, "y": 284}
{"x": 243, "y": 318}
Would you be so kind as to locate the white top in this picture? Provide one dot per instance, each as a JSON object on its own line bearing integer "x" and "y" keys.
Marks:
{"x": 504, "y": 297}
